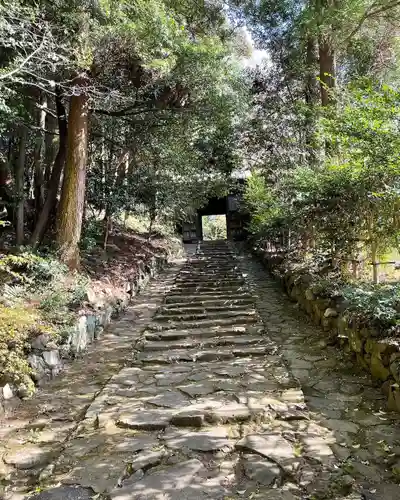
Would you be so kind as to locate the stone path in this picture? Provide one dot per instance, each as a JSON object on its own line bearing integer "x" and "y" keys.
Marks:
{"x": 226, "y": 394}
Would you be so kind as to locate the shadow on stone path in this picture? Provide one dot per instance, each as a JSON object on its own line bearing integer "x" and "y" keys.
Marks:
{"x": 213, "y": 398}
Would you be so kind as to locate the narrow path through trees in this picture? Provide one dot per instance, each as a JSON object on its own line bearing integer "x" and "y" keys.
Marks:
{"x": 199, "y": 402}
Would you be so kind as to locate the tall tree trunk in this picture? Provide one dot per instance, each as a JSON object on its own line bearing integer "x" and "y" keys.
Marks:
{"x": 38, "y": 156}
{"x": 69, "y": 218}
{"x": 311, "y": 60}
{"x": 5, "y": 176}
{"x": 311, "y": 94}
{"x": 326, "y": 68}
{"x": 54, "y": 181}
{"x": 50, "y": 143}
{"x": 19, "y": 187}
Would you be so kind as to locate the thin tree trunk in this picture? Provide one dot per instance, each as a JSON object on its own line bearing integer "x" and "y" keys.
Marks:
{"x": 152, "y": 220}
{"x": 375, "y": 263}
{"x": 50, "y": 143}
{"x": 6, "y": 194}
{"x": 326, "y": 69}
{"x": 311, "y": 82}
{"x": 38, "y": 156}
{"x": 310, "y": 98}
{"x": 54, "y": 181}
{"x": 69, "y": 219}
{"x": 19, "y": 188}
{"x": 107, "y": 229}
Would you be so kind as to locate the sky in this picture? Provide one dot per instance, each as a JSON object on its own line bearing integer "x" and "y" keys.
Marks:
{"x": 258, "y": 56}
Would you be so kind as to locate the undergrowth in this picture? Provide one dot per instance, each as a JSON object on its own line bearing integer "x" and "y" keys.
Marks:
{"x": 377, "y": 305}
{"x": 18, "y": 325}
{"x": 38, "y": 296}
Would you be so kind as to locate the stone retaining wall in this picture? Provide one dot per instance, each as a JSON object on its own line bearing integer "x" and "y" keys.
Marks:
{"x": 47, "y": 357}
{"x": 379, "y": 355}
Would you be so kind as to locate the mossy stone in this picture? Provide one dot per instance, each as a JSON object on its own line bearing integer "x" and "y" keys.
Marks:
{"x": 378, "y": 369}
{"x": 355, "y": 341}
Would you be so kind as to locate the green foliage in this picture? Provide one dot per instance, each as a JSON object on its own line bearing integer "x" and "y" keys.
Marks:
{"x": 42, "y": 282}
{"x": 214, "y": 227}
{"x": 350, "y": 201}
{"x": 18, "y": 325}
{"x": 261, "y": 201}
{"x": 29, "y": 269}
{"x": 92, "y": 234}
{"x": 379, "y": 304}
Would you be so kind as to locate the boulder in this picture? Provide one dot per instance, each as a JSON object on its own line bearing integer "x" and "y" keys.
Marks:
{"x": 378, "y": 369}
{"x": 41, "y": 341}
{"x": 394, "y": 398}
{"x": 80, "y": 337}
{"x": 395, "y": 368}
{"x": 309, "y": 295}
{"x": 52, "y": 358}
{"x": 8, "y": 393}
{"x": 38, "y": 366}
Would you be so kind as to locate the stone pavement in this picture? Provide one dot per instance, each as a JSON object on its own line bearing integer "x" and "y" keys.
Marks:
{"x": 227, "y": 393}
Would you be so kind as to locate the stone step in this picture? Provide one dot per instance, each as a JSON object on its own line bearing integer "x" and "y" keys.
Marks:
{"x": 203, "y": 355}
{"x": 184, "y": 316}
{"x": 198, "y": 416}
{"x": 231, "y": 268}
{"x": 177, "y": 334}
{"x": 206, "y": 323}
{"x": 206, "y": 303}
{"x": 211, "y": 287}
{"x": 202, "y": 276}
{"x": 215, "y": 256}
{"x": 219, "y": 258}
{"x": 208, "y": 308}
{"x": 228, "y": 271}
{"x": 204, "y": 342}
{"x": 212, "y": 278}
{"x": 212, "y": 281}
{"x": 199, "y": 266}
{"x": 218, "y": 296}
{"x": 206, "y": 267}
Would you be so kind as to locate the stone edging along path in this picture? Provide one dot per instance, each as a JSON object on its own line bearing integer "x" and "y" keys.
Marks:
{"x": 48, "y": 358}
{"x": 379, "y": 356}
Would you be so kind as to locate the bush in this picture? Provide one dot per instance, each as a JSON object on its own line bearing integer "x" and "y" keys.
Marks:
{"x": 92, "y": 234}
{"x": 380, "y": 304}
{"x": 30, "y": 270}
{"x": 18, "y": 326}
{"x": 37, "y": 296}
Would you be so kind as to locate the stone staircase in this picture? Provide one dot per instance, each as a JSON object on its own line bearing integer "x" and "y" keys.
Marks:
{"x": 202, "y": 409}
{"x": 208, "y": 315}
{"x": 202, "y": 406}
{"x": 204, "y": 386}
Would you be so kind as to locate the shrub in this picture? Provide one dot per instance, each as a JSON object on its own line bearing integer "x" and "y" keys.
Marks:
{"x": 18, "y": 325}
{"x": 380, "y": 304}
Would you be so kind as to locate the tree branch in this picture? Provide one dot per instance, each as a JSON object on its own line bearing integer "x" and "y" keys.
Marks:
{"x": 24, "y": 62}
{"x": 372, "y": 13}
{"x": 125, "y": 111}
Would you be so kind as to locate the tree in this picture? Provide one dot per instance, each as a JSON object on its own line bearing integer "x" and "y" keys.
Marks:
{"x": 73, "y": 189}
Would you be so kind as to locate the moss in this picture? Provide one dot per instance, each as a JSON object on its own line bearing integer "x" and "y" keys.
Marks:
{"x": 18, "y": 325}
